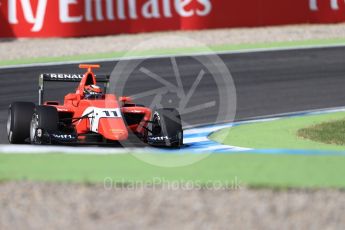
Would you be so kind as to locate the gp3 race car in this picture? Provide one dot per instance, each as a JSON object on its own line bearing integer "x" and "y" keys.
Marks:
{"x": 91, "y": 116}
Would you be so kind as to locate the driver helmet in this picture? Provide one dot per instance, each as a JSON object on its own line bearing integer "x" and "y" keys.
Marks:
{"x": 92, "y": 92}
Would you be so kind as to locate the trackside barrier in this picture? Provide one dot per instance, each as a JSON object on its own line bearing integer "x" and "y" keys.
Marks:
{"x": 75, "y": 18}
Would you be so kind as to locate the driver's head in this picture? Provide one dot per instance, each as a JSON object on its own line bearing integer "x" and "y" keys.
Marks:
{"x": 92, "y": 92}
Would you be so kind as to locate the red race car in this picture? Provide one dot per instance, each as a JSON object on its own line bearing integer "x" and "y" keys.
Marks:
{"x": 91, "y": 116}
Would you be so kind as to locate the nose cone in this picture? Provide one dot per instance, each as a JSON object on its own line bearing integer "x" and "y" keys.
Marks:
{"x": 113, "y": 129}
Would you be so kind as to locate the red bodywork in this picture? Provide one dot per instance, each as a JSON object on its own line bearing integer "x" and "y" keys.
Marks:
{"x": 106, "y": 120}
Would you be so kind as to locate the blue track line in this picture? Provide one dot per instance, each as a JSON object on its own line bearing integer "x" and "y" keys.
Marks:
{"x": 200, "y": 143}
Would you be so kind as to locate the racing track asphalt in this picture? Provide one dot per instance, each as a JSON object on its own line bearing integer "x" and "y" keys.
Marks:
{"x": 266, "y": 82}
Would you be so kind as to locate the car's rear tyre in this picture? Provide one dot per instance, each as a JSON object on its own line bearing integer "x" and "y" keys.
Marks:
{"x": 167, "y": 122}
{"x": 45, "y": 118}
{"x": 18, "y": 122}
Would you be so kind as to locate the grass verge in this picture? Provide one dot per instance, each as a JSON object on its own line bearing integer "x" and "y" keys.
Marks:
{"x": 274, "y": 171}
{"x": 176, "y": 51}
{"x": 328, "y": 132}
{"x": 278, "y": 134}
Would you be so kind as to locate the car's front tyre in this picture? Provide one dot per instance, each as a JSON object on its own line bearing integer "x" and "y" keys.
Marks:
{"x": 167, "y": 128}
{"x": 45, "y": 119}
{"x": 18, "y": 122}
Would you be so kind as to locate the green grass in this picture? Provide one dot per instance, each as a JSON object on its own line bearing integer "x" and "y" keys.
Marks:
{"x": 279, "y": 134}
{"x": 328, "y": 132}
{"x": 275, "y": 171}
{"x": 176, "y": 51}
{"x": 252, "y": 170}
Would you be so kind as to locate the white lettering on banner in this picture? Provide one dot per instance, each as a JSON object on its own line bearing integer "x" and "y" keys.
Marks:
{"x": 334, "y": 5}
{"x": 167, "y": 9}
{"x": 110, "y": 10}
{"x": 314, "y": 6}
{"x": 208, "y": 7}
{"x": 121, "y": 9}
{"x": 151, "y": 9}
{"x": 64, "y": 12}
{"x": 109, "y": 5}
{"x": 12, "y": 12}
{"x": 89, "y": 9}
{"x": 37, "y": 19}
{"x": 101, "y": 10}
{"x": 132, "y": 9}
{"x": 180, "y": 8}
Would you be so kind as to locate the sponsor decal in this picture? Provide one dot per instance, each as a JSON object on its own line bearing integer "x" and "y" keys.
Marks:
{"x": 314, "y": 4}
{"x": 62, "y": 109}
{"x": 95, "y": 114}
{"x": 74, "y": 11}
{"x": 131, "y": 9}
{"x": 162, "y": 138}
{"x": 65, "y": 76}
{"x": 36, "y": 18}
{"x": 110, "y": 113}
{"x": 63, "y": 136}
{"x": 71, "y": 18}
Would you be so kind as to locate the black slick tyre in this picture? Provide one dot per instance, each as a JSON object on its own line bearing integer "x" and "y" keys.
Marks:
{"x": 18, "y": 122}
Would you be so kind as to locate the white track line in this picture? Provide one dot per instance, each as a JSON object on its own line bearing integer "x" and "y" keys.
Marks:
{"x": 33, "y": 149}
{"x": 196, "y": 138}
{"x": 258, "y": 50}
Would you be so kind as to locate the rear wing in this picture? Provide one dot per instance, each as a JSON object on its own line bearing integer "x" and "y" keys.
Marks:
{"x": 61, "y": 77}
